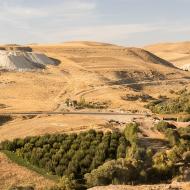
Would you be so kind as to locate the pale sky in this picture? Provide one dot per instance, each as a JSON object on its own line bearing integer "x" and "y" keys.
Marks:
{"x": 124, "y": 22}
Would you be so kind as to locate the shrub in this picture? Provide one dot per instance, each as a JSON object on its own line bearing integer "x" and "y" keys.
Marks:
{"x": 115, "y": 172}
{"x": 65, "y": 183}
{"x": 8, "y": 145}
{"x": 162, "y": 126}
{"x": 172, "y": 136}
{"x": 170, "y": 106}
{"x": 163, "y": 167}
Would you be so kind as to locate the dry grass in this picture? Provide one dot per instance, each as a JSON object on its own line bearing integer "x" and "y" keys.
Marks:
{"x": 13, "y": 175}
{"x": 177, "y": 53}
{"x": 86, "y": 69}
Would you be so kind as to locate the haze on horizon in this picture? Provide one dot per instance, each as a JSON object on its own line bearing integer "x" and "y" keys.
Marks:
{"x": 125, "y": 22}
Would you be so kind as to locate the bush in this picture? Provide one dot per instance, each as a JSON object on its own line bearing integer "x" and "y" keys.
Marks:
{"x": 162, "y": 126}
{"x": 116, "y": 172}
{"x": 170, "y": 132}
{"x": 170, "y": 106}
{"x": 65, "y": 183}
{"x": 172, "y": 136}
{"x": 163, "y": 167}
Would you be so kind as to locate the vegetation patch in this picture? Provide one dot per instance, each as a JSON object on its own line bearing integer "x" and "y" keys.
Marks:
{"x": 82, "y": 104}
{"x": 141, "y": 97}
{"x": 95, "y": 158}
{"x": 181, "y": 104}
{"x": 70, "y": 155}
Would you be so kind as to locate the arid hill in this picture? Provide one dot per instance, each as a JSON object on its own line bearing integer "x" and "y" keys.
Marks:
{"x": 95, "y": 71}
{"x": 177, "y": 53}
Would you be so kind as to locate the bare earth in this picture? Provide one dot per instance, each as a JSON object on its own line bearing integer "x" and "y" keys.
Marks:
{"x": 177, "y": 53}
{"x": 11, "y": 174}
{"x": 174, "y": 186}
{"x": 97, "y": 72}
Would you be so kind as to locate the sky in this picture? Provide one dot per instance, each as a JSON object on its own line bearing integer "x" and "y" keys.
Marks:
{"x": 123, "y": 22}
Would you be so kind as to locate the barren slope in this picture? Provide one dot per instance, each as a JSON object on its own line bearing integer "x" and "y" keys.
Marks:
{"x": 94, "y": 70}
{"x": 177, "y": 53}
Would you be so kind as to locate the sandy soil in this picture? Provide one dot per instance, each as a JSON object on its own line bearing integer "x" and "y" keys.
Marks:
{"x": 174, "y": 186}
{"x": 21, "y": 127}
{"x": 13, "y": 175}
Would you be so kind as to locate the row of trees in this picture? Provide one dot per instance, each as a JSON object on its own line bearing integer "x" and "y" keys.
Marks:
{"x": 96, "y": 158}
{"x": 74, "y": 154}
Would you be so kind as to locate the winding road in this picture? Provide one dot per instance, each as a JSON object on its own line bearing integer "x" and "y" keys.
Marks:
{"x": 85, "y": 92}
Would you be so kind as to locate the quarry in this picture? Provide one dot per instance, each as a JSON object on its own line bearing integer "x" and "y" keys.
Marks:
{"x": 19, "y": 60}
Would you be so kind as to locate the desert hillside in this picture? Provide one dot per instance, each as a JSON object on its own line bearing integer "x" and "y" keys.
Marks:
{"x": 119, "y": 79}
{"x": 177, "y": 53}
{"x": 95, "y": 71}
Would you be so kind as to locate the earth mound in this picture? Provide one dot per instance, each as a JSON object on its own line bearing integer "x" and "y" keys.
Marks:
{"x": 23, "y": 60}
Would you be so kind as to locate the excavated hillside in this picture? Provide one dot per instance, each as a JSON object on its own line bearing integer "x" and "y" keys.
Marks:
{"x": 12, "y": 59}
{"x": 177, "y": 53}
